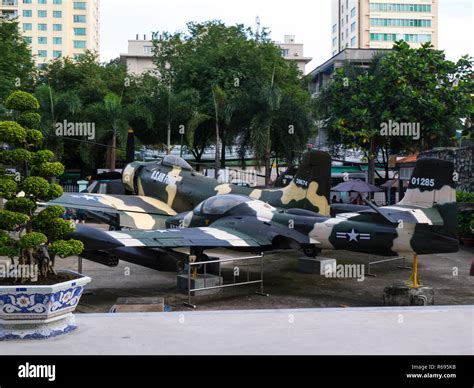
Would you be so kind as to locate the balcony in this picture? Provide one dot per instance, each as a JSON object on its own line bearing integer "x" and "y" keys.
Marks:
{"x": 10, "y": 3}
{"x": 9, "y": 14}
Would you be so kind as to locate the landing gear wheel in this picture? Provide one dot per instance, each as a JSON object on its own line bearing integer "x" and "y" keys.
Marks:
{"x": 311, "y": 252}
{"x": 114, "y": 228}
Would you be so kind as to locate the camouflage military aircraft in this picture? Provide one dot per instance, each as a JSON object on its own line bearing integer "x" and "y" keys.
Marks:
{"x": 424, "y": 222}
{"x": 163, "y": 189}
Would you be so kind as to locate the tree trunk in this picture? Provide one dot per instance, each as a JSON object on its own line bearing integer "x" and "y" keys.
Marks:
{"x": 223, "y": 145}
{"x": 218, "y": 157}
{"x": 112, "y": 153}
{"x": 371, "y": 165}
{"x": 268, "y": 168}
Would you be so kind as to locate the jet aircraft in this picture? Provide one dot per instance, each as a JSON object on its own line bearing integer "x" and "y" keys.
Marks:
{"x": 163, "y": 189}
{"x": 424, "y": 222}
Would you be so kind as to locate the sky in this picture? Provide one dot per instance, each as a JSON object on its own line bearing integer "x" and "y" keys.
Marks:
{"x": 308, "y": 20}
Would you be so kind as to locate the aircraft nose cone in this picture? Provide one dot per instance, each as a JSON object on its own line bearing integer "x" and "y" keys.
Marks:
{"x": 94, "y": 239}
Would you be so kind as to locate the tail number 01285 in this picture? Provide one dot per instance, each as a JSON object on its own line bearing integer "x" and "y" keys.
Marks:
{"x": 425, "y": 182}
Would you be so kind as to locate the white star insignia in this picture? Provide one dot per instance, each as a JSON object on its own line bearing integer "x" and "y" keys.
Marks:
{"x": 353, "y": 236}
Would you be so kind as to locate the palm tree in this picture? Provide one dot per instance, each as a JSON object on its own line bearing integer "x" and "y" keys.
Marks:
{"x": 267, "y": 102}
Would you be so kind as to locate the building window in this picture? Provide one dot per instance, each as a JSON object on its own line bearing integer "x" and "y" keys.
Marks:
{"x": 334, "y": 27}
{"x": 378, "y": 22}
{"x": 353, "y": 12}
{"x": 151, "y": 49}
{"x": 57, "y": 27}
{"x": 384, "y": 7}
{"x": 353, "y": 41}
{"x": 42, "y": 40}
{"x": 79, "y": 44}
{"x": 57, "y": 40}
{"x": 27, "y": 27}
{"x": 353, "y": 26}
{"x": 42, "y": 2}
{"x": 42, "y": 14}
{"x": 79, "y": 18}
{"x": 26, "y": 1}
{"x": 79, "y": 5}
{"x": 42, "y": 53}
{"x": 414, "y": 38}
{"x": 28, "y": 39}
{"x": 42, "y": 27}
{"x": 342, "y": 36}
{"x": 57, "y": 53}
{"x": 79, "y": 31}
{"x": 334, "y": 41}
{"x": 27, "y": 13}
{"x": 78, "y": 56}
{"x": 57, "y": 14}
{"x": 57, "y": 2}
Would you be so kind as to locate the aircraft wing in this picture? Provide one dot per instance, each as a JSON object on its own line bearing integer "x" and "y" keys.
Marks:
{"x": 137, "y": 212}
{"x": 187, "y": 237}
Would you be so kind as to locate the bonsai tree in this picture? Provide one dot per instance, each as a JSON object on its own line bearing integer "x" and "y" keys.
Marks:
{"x": 27, "y": 236}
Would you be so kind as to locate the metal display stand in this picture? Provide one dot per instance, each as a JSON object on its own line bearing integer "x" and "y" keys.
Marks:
{"x": 371, "y": 263}
{"x": 248, "y": 264}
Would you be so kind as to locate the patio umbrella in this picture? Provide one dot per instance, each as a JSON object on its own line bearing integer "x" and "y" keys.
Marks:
{"x": 356, "y": 185}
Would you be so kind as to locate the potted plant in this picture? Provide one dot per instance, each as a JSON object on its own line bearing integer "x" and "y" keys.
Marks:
{"x": 466, "y": 219}
{"x": 35, "y": 300}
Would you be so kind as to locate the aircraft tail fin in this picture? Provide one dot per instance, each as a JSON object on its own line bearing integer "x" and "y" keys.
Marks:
{"x": 312, "y": 182}
{"x": 433, "y": 185}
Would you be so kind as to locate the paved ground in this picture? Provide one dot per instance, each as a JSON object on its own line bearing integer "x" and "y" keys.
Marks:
{"x": 359, "y": 331}
{"x": 304, "y": 314}
{"x": 447, "y": 274}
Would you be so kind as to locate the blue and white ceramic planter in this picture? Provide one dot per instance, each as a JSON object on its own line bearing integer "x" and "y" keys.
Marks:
{"x": 38, "y": 312}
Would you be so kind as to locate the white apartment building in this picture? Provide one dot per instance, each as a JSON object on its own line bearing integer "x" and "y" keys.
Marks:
{"x": 378, "y": 24}
{"x": 294, "y": 52}
{"x": 56, "y": 28}
{"x": 139, "y": 56}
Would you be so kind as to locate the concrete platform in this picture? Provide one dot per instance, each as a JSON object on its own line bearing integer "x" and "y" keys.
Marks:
{"x": 337, "y": 331}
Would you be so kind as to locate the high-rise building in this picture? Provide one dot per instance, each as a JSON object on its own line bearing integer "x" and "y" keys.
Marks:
{"x": 379, "y": 23}
{"x": 56, "y": 28}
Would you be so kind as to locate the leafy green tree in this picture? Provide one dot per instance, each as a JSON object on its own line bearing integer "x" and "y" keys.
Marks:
{"x": 29, "y": 237}
{"x": 76, "y": 91}
{"x": 157, "y": 108}
{"x": 232, "y": 69}
{"x": 406, "y": 86}
{"x": 16, "y": 64}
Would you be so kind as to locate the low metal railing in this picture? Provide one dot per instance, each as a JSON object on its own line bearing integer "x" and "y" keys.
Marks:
{"x": 248, "y": 265}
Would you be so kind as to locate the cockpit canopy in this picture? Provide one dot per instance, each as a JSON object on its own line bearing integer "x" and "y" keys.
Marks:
{"x": 176, "y": 161}
{"x": 221, "y": 204}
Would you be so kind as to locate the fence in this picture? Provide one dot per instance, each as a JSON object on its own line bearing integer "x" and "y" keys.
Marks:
{"x": 70, "y": 188}
{"x": 236, "y": 273}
